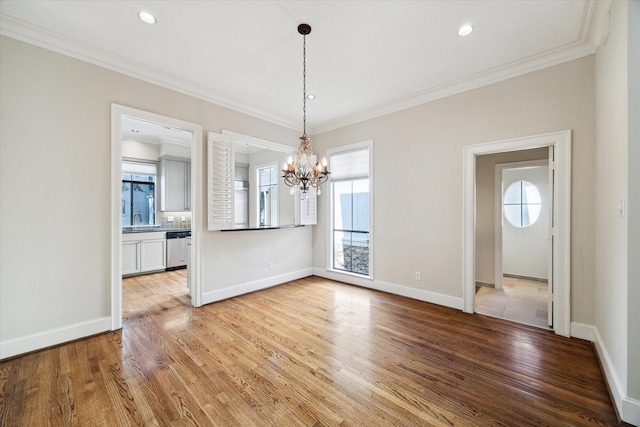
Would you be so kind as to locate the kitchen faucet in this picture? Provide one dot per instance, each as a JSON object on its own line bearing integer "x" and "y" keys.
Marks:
{"x": 134, "y": 218}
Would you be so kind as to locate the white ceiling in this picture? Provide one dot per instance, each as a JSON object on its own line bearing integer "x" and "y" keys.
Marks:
{"x": 364, "y": 58}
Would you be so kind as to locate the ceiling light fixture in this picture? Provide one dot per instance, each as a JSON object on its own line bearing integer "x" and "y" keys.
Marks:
{"x": 311, "y": 96}
{"x": 303, "y": 172}
{"x": 147, "y": 18}
{"x": 465, "y": 30}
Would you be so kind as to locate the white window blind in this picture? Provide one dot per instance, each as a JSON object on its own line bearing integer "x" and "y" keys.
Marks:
{"x": 220, "y": 185}
{"x": 138, "y": 168}
{"x": 350, "y": 164}
{"x": 309, "y": 208}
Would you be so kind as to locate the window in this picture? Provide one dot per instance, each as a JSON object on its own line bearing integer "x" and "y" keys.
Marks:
{"x": 268, "y": 195}
{"x": 351, "y": 210}
{"x": 138, "y": 194}
{"x": 522, "y": 204}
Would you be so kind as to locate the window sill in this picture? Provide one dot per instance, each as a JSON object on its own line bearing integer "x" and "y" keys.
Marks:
{"x": 348, "y": 273}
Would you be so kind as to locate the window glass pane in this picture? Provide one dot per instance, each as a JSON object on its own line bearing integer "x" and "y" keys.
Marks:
{"x": 268, "y": 196}
{"x": 522, "y": 204}
{"x": 530, "y": 193}
{"x": 360, "y": 203}
{"x": 340, "y": 240}
{"x": 264, "y": 177}
{"x": 342, "y": 205}
{"x": 126, "y": 204}
{"x": 359, "y": 252}
{"x": 143, "y": 204}
{"x": 513, "y": 214}
{"x": 138, "y": 194}
{"x": 513, "y": 194}
{"x": 530, "y": 214}
{"x": 351, "y": 199}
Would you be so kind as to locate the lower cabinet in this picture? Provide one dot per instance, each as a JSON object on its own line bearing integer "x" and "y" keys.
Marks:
{"x": 143, "y": 252}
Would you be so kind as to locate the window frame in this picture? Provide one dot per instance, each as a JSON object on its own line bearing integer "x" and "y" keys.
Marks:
{"x": 271, "y": 165}
{"x": 156, "y": 188}
{"x": 368, "y": 145}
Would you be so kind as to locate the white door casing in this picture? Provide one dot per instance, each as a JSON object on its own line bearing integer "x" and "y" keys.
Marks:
{"x": 195, "y": 275}
{"x": 561, "y": 212}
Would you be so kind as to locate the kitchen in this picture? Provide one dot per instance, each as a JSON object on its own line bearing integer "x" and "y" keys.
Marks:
{"x": 156, "y": 197}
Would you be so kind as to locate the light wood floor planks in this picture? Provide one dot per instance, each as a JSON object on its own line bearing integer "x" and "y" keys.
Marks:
{"x": 307, "y": 353}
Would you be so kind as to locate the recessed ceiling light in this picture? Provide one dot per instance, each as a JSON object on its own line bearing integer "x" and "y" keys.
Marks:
{"x": 147, "y": 18}
{"x": 311, "y": 96}
{"x": 465, "y": 30}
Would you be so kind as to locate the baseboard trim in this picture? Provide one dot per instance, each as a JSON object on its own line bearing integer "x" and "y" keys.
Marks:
{"x": 256, "y": 285}
{"x": 583, "y": 331}
{"x": 628, "y": 408}
{"x": 17, "y": 346}
{"x": 392, "y": 288}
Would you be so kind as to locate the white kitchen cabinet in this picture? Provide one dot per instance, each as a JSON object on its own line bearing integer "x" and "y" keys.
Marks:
{"x": 143, "y": 252}
{"x": 175, "y": 185}
{"x": 130, "y": 257}
{"x": 153, "y": 254}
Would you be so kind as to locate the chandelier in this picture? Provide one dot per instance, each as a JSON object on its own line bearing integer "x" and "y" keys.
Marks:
{"x": 303, "y": 172}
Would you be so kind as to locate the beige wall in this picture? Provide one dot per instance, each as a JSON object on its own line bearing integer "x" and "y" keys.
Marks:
{"x": 618, "y": 236}
{"x": 633, "y": 212}
{"x": 418, "y": 166}
{"x": 485, "y": 206}
{"x": 55, "y": 191}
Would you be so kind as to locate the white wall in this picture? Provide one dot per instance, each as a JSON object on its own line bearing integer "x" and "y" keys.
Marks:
{"x": 525, "y": 250}
{"x": 55, "y": 195}
{"x": 616, "y": 322}
{"x": 418, "y": 164}
{"x": 140, "y": 150}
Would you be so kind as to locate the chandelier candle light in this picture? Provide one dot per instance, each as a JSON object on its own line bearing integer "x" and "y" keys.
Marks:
{"x": 303, "y": 172}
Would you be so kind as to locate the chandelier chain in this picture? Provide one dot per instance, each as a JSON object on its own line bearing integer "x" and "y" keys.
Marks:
{"x": 304, "y": 85}
{"x": 305, "y": 171}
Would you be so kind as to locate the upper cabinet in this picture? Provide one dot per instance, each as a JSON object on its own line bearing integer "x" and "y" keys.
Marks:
{"x": 175, "y": 185}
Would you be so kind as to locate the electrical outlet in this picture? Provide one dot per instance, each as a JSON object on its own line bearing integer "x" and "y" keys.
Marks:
{"x": 170, "y": 219}
{"x": 183, "y": 218}
{"x": 417, "y": 275}
{"x": 270, "y": 265}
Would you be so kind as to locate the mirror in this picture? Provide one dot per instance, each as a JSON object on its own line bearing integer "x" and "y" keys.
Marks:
{"x": 261, "y": 199}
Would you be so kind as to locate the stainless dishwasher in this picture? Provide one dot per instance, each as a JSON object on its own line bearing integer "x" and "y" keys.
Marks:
{"x": 177, "y": 249}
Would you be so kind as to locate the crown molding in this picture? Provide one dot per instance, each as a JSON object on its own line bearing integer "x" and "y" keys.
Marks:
{"x": 593, "y": 30}
{"x": 28, "y": 33}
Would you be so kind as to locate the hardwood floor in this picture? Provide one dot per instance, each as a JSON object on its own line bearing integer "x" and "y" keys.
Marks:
{"x": 307, "y": 353}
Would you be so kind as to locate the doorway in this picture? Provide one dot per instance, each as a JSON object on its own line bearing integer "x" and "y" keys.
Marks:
{"x": 515, "y": 286}
{"x": 118, "y": 114}
{"x": 559, "y": 239}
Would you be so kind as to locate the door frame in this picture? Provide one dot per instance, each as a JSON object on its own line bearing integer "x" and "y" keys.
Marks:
{"x": 195, "y": 276}
{"x": 561, "y": 141}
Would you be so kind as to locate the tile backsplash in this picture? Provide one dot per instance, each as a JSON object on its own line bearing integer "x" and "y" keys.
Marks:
{"x": 177, "y": 222}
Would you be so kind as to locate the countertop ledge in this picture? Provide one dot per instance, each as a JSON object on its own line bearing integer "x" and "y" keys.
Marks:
{"x": 128, "y": 230}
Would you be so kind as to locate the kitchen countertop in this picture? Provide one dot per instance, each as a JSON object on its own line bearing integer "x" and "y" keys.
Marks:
{"x": 151, "y": 229}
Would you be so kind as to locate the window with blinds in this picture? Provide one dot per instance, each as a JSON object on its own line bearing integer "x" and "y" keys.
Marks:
{"x": 351, "y": 209}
